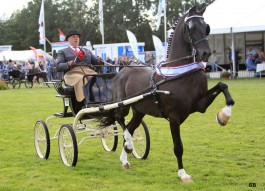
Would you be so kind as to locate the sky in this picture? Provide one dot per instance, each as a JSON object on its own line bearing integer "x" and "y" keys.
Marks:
{"x": 9, "y": 6}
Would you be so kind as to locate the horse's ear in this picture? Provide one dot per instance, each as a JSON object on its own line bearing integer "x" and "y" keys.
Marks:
{"x": 202, "y": 10}
{"x": 193, "y": 11}
{"x": 208, "y": 30}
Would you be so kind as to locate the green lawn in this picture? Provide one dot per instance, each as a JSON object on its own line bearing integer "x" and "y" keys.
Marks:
{"x": 218, "y": 158}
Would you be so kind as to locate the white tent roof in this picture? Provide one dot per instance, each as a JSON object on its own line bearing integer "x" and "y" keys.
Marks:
{"x": 22, "y": 55}
{"x": 240, "y": 15}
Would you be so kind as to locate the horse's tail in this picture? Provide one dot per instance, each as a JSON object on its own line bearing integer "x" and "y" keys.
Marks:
{"x": 109, "y": 118}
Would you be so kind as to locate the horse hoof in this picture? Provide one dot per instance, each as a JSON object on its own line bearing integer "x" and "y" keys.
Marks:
{"x": 127, "y": 150}
{"x": 126, "y": 166}
{"x": 187, "y": 180}
{"x": 222, "y": 118}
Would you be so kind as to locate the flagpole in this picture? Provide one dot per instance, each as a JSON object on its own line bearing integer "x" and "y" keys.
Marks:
{"x": 102, "y": 27}
{"x": 165, "y": 26}
{"x": 101, "y": 19}
{"x": 44, "y": 29}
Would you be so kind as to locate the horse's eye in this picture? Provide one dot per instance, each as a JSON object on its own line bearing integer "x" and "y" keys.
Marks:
{"x": 208, "y": 30}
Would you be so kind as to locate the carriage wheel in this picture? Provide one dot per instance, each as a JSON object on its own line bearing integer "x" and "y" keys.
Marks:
{"x": 109, "y": 138}
{"x": 28, "y": 84}
{"x": 68, "y": 145}
{"x": 16, "y": 83}
{"x": 141, "y": 141}
{"x": 42, "y": 139}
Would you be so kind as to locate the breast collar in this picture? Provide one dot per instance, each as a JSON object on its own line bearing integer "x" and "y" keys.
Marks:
{"x": 177, "y": 70}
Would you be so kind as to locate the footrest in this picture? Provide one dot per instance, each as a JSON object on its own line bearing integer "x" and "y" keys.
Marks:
{"x": 62, "y": 115}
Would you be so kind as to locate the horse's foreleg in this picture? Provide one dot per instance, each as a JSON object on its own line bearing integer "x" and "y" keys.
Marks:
{"x": 223, "y": 116}
{"x": 178, "y": 150}
{"x": 206, "y": 100}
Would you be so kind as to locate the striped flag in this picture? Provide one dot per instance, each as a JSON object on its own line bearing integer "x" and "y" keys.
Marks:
{"x": 61, "y": 35}
{"x": 41, "y": 25}
{"x": 161, "y": 12}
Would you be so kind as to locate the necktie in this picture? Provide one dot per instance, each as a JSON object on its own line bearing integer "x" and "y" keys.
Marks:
{"x": 76, "y": 51}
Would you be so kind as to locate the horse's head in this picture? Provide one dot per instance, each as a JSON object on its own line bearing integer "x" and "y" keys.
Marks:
{"x": 189, "y": 40}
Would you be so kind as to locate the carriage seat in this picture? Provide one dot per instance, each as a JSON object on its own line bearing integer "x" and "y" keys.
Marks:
{"x": 67, "y": 93}
{"x": 66, "y": 90}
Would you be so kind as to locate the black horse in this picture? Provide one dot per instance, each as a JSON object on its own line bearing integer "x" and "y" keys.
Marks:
{"x": 182, "y": 74}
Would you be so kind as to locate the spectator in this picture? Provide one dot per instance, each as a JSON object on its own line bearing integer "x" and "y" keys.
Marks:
{"x": 149, "y": 60}
{"x": 213, "y": 61}
{"x": 10, "y": 65}
{"x": 260, "y": 57}
{"x": 251, "y": 51}
{"x": 42, "y": 66}
{"x": 1, "y": 69}
{"x": 250, "y": 64}
{"x": 5, "y": 71}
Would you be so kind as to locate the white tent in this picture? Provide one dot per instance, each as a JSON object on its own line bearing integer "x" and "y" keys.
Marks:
{"x": 235, "y": 16}
{"x": 238, "y": 15}
{"x": 23, "y": 55}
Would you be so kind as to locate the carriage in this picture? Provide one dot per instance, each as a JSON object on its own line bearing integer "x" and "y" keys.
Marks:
{"x": 16, "y": 78}
{"x": 85, "y": 122}
{"x": 176, "y": 88}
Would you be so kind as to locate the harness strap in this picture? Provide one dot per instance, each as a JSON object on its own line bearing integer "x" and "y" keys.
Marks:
{"x": 156, "y": 97}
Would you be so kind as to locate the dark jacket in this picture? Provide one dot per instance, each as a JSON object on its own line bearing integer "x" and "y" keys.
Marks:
{"x": 68, "y": 54}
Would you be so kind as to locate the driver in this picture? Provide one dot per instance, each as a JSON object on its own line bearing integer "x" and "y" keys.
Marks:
{"x": 74, "y": 62}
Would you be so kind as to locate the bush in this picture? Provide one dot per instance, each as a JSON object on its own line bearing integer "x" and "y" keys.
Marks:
{"x": 225, "y": 74}
{"x": 3, "y": 85}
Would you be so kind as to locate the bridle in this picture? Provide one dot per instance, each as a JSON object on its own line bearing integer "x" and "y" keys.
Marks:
{"x": 193, "y": 44}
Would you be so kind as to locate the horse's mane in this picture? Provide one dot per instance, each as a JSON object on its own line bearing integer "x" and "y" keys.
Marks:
{"x": 172, "y": 33}
{"x": 171, "y": 36}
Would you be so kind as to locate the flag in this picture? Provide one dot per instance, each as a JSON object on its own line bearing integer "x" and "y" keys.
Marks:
{"x": 133, "y": 43}
{"x": 160, "y": 50}
{"x": 61, "y": 35}
{"x": 100, "y": 12}
{"x": 41, "y": 24}
{"x": 161, "y": 12}
{"x": 35, "y": 51}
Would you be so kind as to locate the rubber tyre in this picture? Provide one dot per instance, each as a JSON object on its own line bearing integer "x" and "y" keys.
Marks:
{"x": 16, "y": 84}
{"x": 68, "y": 145}
{"x": 42, "y": 139}
{"x": 141, "y": 141}
{"x": 28, "y": 84}
{"x": 109, "y": 139}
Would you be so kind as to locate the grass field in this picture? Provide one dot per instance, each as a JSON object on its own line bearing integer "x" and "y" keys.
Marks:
{"x": 230, "y": 158}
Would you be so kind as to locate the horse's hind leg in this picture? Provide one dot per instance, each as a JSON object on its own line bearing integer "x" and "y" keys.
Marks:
{"x": 178, "y": 150}
{"x": 128, "y": 132}
{"x": 223, "y": 116}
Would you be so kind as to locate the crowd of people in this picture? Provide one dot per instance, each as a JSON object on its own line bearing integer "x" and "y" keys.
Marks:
{"x": 253, "y": 58}
{"x": 21, "y": 68}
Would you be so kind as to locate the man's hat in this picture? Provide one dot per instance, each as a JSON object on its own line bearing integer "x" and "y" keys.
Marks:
{"x": 72, "y": 32}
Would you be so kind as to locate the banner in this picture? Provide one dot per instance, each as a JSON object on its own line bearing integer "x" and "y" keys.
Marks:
{"x": 61, "y": 35}
{"x": 133, "y": 43}
{"x": 160, "y": 50}
{"x": 161, "y": 11}
{"x": 35, "y": 51}
{"x": 41, "y": 24}
{"x": 100, "y": 12}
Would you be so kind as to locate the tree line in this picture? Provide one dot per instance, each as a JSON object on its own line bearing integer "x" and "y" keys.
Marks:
{"x": 21, "y": 29}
